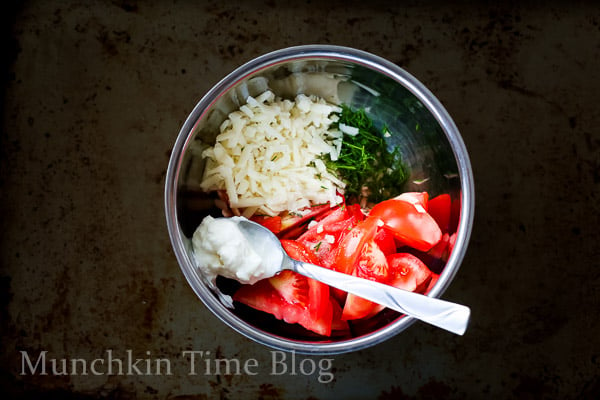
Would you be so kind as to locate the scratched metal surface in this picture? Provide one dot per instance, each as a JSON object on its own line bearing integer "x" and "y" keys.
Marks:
{"x": 95, "y": 93}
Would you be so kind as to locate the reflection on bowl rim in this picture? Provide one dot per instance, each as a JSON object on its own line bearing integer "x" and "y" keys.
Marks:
{"x": 337, "y": 53}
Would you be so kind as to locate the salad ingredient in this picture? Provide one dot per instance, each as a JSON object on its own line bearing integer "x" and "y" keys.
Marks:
{"x": 418, "y": 199}
{"x": 324, "y": 234}
{"x": 267, "y": 156}
{"x": 220, "y": 248}
{"x": 352, "y": 244}
{"x": 271, "y": 223}
{"x": 385, "y": 240}
{"x": 410, "y": 223}
{"x": 364, "y": 159}
{"x": 344, "y": 239}
{"x": 440, "y": 208}
{"x": 292, "y": 297}
{"x": 372, "y": 265}
{"x": 432, "y": 282}
{"x": 293, "y": 224}
{"x": 406, "y": 272}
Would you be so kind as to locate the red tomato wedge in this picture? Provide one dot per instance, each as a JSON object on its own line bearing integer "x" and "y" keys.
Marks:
{"x": 372, "y": 265}
{"x": 385, "y": 241}
{"x": 263, "y": 297}
{"x": 432, "y": 282}
{"x": 325, "y": 233}
{"x": 352, "y": 244}
{"x": 319, "y": 305}
{"x": 292, "y": 297}
{"x": 455, "y": 215}
{"x": 410, "y": 223}
{"x": 407, "y": 272}
{"x": 441, "y": 249}
{"x": 440, "y": 208}
{"x": 415, "y": 198}
{"x": 293, "y": 225}
{"x": 337, "y": 323}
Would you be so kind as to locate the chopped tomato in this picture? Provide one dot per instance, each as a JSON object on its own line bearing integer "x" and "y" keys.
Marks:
{"x": 372, "y": 265}
{"x": 291, "y": 286}
{"x": 325, "y": 234}
{"x": 330, "y": 223}
{"x": 451, "y": 243}
{"x": 408, "y": 272}
{"x": 344, "y": 239}
{"x": 352, "y": 244}
{"x": 443, "y": 248}
{"x": 271, "y": 223}
{"x": 440, "y": 208}
{"x": 415, "y": 198}
{"x": 440, "y": 250}
{"x": 337, "y": 323}
{"x": 432, "y": 282}
{"x": 292, "y": 225}
{"x": 385, "y": 241}
{"x": 318, "y": 292}
{"x": 263, "y": 297}
{"x": 291, "y": 296}
{"x": 455, "y": 215}
{"x": 298, "y": 251}
{"x": 410, "y": 223}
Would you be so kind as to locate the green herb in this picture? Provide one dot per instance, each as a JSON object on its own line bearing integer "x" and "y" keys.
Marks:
{"x": 365, "y": 161}
{"x": 316, "y": 247}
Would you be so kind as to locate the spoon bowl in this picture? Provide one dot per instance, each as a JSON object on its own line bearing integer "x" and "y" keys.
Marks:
{"x": 443, "y": 314}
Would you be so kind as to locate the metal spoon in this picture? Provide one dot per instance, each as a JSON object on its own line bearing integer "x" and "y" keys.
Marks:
{"x": 443, "y": 314}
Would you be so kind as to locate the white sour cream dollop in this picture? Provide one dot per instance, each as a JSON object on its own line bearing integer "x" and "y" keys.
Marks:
{"x": 220, "y": 248}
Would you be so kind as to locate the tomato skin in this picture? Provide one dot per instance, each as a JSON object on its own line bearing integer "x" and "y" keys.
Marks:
{"x": 440, "y": 209}
{"x": 411, "y": 224}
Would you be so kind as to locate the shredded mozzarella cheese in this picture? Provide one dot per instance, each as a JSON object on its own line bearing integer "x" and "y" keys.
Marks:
{"x": 267, "y": 155}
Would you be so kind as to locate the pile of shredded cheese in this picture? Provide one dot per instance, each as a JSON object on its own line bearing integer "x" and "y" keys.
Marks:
{"x": 267, "y": 155}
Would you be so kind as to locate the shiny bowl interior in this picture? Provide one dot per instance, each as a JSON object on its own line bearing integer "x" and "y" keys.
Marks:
{"x": 431, "y": 147}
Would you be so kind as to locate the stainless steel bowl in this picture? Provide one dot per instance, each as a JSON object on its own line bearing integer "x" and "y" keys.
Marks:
{"x": 430, "y": 144}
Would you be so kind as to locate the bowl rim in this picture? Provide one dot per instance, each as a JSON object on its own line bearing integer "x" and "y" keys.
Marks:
{"x": 298, "y": 53}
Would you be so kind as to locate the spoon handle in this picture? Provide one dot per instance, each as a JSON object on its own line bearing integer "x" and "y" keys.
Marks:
{"x": 443, "y": 314}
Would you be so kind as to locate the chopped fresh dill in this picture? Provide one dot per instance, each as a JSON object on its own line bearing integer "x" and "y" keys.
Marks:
{"x": 364, "y": 159}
